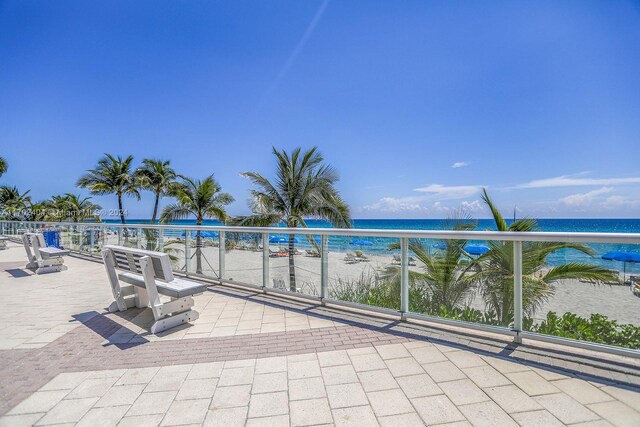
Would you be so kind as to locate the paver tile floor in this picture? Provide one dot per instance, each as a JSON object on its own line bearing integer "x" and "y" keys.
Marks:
{"x": 256, "y": 360}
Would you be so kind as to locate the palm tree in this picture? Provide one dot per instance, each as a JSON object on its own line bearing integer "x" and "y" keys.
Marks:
{"x": 156, "y": 176}
{"x": 112, "y": 175}
{"x": 13, "y": 204}
{"x": 442, "y": 281}
{"x": 303, "y": 187}
{"x": 3, "y": 166}
{"x": 201, "y": 199}
{"x": 78, "y": 208}
{"x": 495, "y": 278}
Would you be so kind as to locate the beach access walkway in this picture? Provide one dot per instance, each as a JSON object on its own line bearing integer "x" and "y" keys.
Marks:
{"x": 262, "y": 360}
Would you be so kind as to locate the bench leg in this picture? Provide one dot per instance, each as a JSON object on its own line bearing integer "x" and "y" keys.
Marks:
{"x": 173, "y": 321}
{"x": 51, "y": 269}
{"x": 142, "y": 297}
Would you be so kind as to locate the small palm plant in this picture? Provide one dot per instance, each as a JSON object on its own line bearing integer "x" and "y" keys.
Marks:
{"x": 303, "y": 187}
{"x": 495, "y": 278}
{"x": 443, "y": 281}
{"x": 156, "y": 176}
{"x": 198, "y": 198}
{"x": 112, "y": 175}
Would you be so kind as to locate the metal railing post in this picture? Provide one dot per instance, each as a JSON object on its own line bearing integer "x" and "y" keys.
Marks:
{"x": 265, "y": 260}
{"x": 161, "y": 240}
{"x": 91, "y": 242}
{"x": 187, "y": 251}
{"x": 404, "y": 276}
{"x": 119, "y": 236}
{"x": 324, "y": 267}
{"x": 138, "y": 238}
{"x": 221, "y": 255}
{"x": 517, "y": 290}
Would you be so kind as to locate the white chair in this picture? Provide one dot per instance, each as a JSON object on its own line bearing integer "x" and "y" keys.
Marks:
{"x": 43, "y": 259}
{"x": 149, "y": 276}
{"x": 350, "y": 258}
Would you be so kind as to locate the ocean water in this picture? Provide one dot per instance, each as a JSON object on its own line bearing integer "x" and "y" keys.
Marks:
{"x": 381, "y": 244}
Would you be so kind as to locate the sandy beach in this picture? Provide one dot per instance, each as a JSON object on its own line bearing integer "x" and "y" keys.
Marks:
{"x": 616, "y": 302}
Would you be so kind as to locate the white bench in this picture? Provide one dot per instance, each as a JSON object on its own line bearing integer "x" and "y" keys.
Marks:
{"x": 43, "y": 259}
{"x": 3, "y": 242}
{"x": 148, "y": 276}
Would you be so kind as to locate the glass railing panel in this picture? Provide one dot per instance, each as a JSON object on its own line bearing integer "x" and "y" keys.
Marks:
{"x": 296, "y": 267}
{"x": 446, "y": 280}
{"x": 243, "y": 257}
{"x": 201, "y": 251}
{"x": 362, "y": 270}
{"x": 566, "y": 297}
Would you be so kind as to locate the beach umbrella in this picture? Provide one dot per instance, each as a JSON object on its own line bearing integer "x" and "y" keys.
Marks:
{"x": 440, "y": 245}
{"x": 476, "y": 249}
{"x": 623, "y": 256}
{"x": 361, "y": 242}
{"x": 281, "y": 239}
{"x": 203, "y": 234}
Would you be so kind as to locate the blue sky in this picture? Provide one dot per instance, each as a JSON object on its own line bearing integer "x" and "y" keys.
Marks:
{"x": 418, "y": 104}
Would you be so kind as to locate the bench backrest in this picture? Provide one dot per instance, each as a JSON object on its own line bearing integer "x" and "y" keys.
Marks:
{"x": 35, "y": 241}
{"x": 128, "y": 259}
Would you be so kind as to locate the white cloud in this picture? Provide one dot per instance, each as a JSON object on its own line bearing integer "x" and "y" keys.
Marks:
{"x": 579, "y": 200}
{"x": 397, "y": 204}
{"x": 473, "y": 206}
{"x": 575, "y": 181}
{"x": 620, "y": 202}
{"x": 457, "y": 165}
{"x": 447, "y": 192}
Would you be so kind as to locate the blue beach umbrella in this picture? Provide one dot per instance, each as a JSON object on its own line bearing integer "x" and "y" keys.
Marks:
{"x": 440, "y": 245}
{"x": 476, "y": 249}
{"x": 281, "y": 239}
{"x": 203, "y": 234}
{"x": 623, "y": 256}
{"x": 361, "y": 242}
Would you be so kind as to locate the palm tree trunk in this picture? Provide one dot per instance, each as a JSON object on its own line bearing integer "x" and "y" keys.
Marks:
{"x": 155, "y": 209}
{"x": 198, "y": 252}
{"x": 121, "y": 211}
{"x": 292, "y": 266}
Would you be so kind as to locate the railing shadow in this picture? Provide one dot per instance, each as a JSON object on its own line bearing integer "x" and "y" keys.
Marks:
{"x": 468, "y": 341}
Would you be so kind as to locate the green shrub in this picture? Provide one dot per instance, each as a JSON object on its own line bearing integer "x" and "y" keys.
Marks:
{"x": 597, "y": 328}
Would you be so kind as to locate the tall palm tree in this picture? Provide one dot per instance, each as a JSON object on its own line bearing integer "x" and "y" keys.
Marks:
{"x": 303, "y": 187}
{"x": 13, "y": 204}
{"x": 495, "y": 278}
{"x": 201, "y": 199}
{"x": 156, "y": 176}
{"x": 112, "y": 175}
{"x": 3, "y": 166}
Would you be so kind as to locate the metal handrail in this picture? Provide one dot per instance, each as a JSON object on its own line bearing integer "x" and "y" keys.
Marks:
{"x": 529, "y": 236}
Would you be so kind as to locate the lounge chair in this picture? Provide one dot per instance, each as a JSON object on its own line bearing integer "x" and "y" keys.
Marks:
{"x": 350, "y": 258}
{"x": 149, "y": 276}
{"x": 412, "y": 261}
{"x": 277, "y": 252}
{"x": 361, "y": 256}
{"x": 43, "y": 259}
{"x": 397, "y": 259}
{"x": 313, "y": 253}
